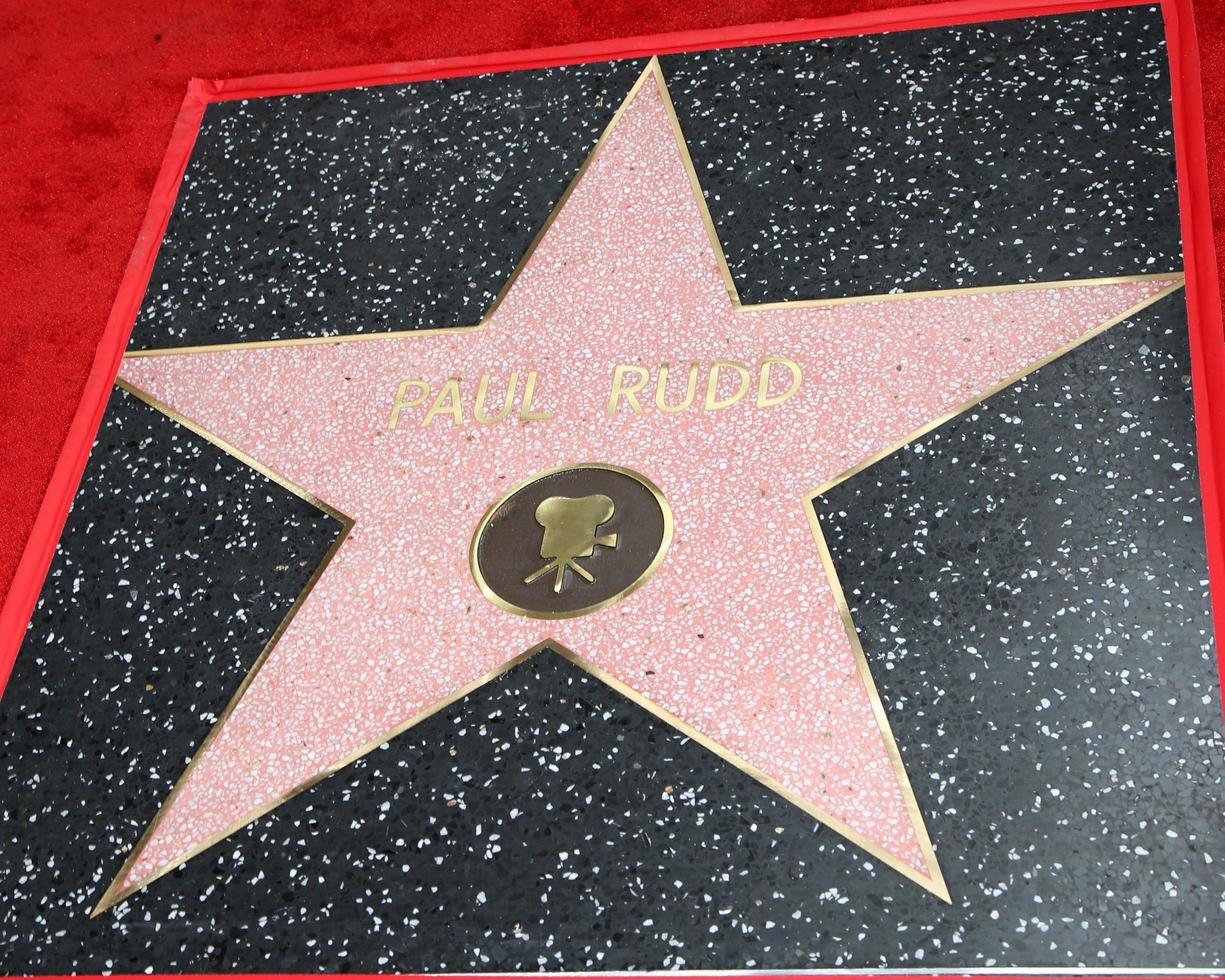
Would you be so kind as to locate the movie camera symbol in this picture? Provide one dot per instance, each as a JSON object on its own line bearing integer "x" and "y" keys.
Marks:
{"x": 570, "y": 525}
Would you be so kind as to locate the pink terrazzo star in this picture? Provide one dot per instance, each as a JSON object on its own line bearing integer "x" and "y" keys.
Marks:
{"x": 738, "y": 635}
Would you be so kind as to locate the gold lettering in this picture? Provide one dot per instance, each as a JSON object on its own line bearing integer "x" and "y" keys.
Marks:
{"x": 661, "y": 388}
{"x": 402, "y": 402}
{"x": 713, "y": 402}
{"x": 630, "y": 392}
{"x": 450, "y": 392}
{"x": 764, "y": 398}
{"x": 478, "y": 410}
{"x": 529, "y": 392}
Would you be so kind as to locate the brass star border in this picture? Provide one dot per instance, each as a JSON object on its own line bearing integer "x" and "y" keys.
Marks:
{"x": 117, "y": 893}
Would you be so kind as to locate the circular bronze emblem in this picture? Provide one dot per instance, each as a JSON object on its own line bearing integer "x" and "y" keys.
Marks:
{"x": 570, "y": 540}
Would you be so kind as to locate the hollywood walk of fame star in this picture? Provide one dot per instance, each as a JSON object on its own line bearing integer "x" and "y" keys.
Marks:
{"x": 741, "y": 637}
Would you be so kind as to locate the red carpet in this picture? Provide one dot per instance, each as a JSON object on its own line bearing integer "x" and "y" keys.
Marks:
{"x": 94, "y": 87}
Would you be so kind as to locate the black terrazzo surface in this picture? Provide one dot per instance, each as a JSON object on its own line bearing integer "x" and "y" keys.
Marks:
{"x": 1030, "y": 585}
{"x": 175, "y": 566}
{"x": 1004, "y": 152}
{"x": 369, "y": 210}
{"x": 1013, "y": 151}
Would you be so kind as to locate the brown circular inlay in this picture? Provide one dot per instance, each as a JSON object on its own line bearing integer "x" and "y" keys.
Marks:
{"x": 570, "y": 540}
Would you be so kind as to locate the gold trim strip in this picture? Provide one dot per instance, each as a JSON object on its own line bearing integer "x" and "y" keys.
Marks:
{"x": 1014, "y": 287}
{"x": 695, "y": 184}
{"x": 741, "y": 307}
{"x": 835, "y": 582}
{"x": 561, "y": 201}
{"x": 653, "y": 71}
{"x": 1177, "y": 284}
{"x": 497, "y": 300}
{"x": 935, "y": 883}
{"x": 114, "y": 892}
{"x": 232, "y": 450}
{"x": 665, "y": 541}
{"x": 878, "y": 711}
{"x": 737, "y": 307}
